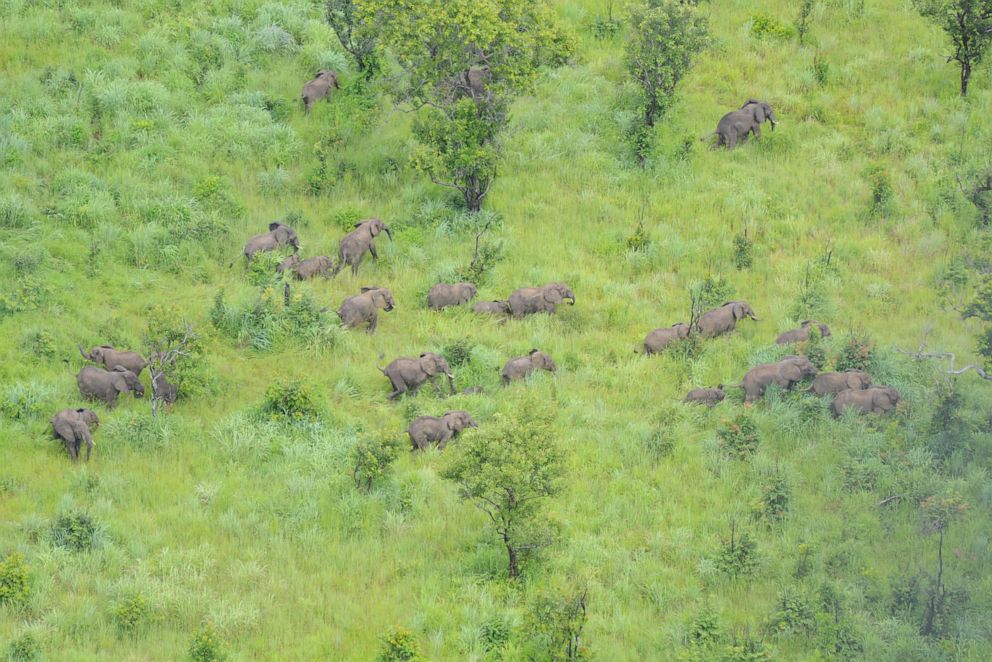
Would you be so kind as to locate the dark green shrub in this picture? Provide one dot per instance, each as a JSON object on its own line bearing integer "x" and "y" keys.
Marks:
{"x": 793, "y": 613}
{"x": 261, "y": 271}
{"x": 639, "y": 241}
{"x": 821, "y": 70}
{"x": 738, "y": 555}
{"x": 479, "y": 269}
{"x": 881, "y": 190}
{"x": 458, "y": 352}
{"x": 743, "y": 252}
{"x": 775, "y": 496}
{"x": 400, "y": 645}
{"x": 206, "y": 645}
{"x": 15, "y": 587}
{"x": 714, "y": 291}
{"x": 765, "y": 26}
{"x": 494, "y": 634}
{"x": 290, "y": 402}
{"x": 804, "y": 19}
{"x": 606, "y": 26}
{"x": 76, "y": 532}
{"x": 704, "y": 630}
{"x": 858, "y": 353}
{"x": 130, "y": 612}
{"x": 24, "y": 648}
{"x": 738, "y": 436}
{"x": 746, "y": 649}
{"x": 372, "y": 459}
{"x": 555, "y": 624}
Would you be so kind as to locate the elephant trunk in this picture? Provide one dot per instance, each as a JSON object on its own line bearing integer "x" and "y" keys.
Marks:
{"x": 88, "y": 357}
{"x": 388, "y": 232}
{"x": 771, "y": 119}
{"x": 451, "y": 382}
{"x": 571, "y": 300}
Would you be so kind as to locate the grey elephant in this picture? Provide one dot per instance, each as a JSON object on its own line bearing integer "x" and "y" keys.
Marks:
{"x": 111, "y": 358}
{"x": 785, "y": 373}
{"x": 100, "y": 384}
{"x": 288, "y": 264}
{"x": 802, "y": 333}
{"x": 659, "y": 339}
{"x": 72, "y": 428}
{"x": 834, "y": 382}
{"x": 356, "y": 243}
{"x": 522, "y": 366}
{"x": 321, "y": 86}
{"x": 312, "y": 267}
{"x": 492, "y": 308}
{"x": 427, "y": 430}
{"x": 872, "y": 400}
{"x": 164, "y": 389}
{"x": 724, "y": 319}
{"x": 443, "y": 295}
{"x": 737, "y": 125}
{"x": 363, "y": 309}
{"x": 278, "y": 235}
{"x": 544, "y": 299}
{"x": 407, "y": 375}
{"x": 710, "y": 397}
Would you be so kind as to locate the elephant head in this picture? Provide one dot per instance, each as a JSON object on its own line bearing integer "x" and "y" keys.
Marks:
{"x": 459, "y": 420}
{"x": 824, "y": 329}
{"x": 89, "y": 417}
{"x": 761, "y": 110}
{"x": 96, "y": 354}
{"x": 375, "y": 227}
{"x": 382, "y": 297}
{"x": 434, "y": 364}
{"x": 885, "y": 397}
{"x": 797, "y": 368}
{"x": 682, "y": 330}
{"x": 740, "y": 310}
{"x": 555, "y": 293}
{"x": 127, "y": 380}
{"x": 542, "y": 361}
{"x": 284, "y": 235}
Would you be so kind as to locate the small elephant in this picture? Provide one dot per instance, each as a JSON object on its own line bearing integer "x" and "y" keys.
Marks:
{"x": 100, "y": 384}
{"x": 443, "y": 295}
{"x": 786, "y": 373}
{"x": 473, "y": 390}
{"x": 659, "y": 339}
{"x": 357, "y": 242}
{"x": 522, "y": 366}
{"x": 710, "y": 397}
{"x": 278, "y": 235}
{"x": 802, "y": 333}
{"x": 544, "y": 299}
{"x": 492, "y": 308}
{"x": 165, "y": 390}
{"x": 835, "y": 382}
{"x": 408, "y": 375}
{"x": 318, "y": 88}
{"x": 288, "y": 264}
{"x": 72, "y": 427}
{"x": 364, "y": 308}
{"x": 425, "y": 430}
{"x": 735, "y": 126}
{"x": 872, "y": 400}
{"x": 111, "y": 358}
{"x": 312, "y": 267}
{"x": 724, "y": 319}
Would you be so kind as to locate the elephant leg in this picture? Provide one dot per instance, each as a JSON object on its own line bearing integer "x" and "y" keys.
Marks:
{"x": 373, "y": 323}
{"x": 354, "y": 267}
{"x": 756, "y": 130}
{"x": 443, "y": 441}
{"x": 375, "y": 256}
{"x": 89, "y": 448}
{"x": 437, "y": 388}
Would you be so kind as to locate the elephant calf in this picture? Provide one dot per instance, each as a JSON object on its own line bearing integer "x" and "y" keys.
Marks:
{"x": 407, "y": 375}
{"x": 288, "y": 264}
{"x": 872, "y": 400}
{"x": 522, "y": 366}
{"x": 659, "y": 339}
{"x": 710, "y": 397}
{"x": 99, "y": 384}
{"x": 544, "y": 299}
{"x": 737, "y": 125}
{"x": 312, "y": 267}
{"x": 427, "y": 430}
{"x": 318, "y": 88}
{"x": 835, "y": 382}
{"x": 443, "y": 295}
{"x": 786, "y": 373}
{"x": 724, "y": 319}
{"x": 72, "y": 427}
{"x": 802, "y": 333}
{"x": 111, "y": 358}
{"x": 356, "y": 243}
{"x": 364, "y": 308}
{"x": 491, "y": 308}
{"x": 278, "y": 235}
{"x": 165, "y": 390}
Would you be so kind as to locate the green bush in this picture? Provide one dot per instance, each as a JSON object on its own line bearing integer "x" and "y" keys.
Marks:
{"x": 24, "y": 648}
{"x": 765, "y": 26}
{"x": 881, "y": 190}
{"x": 22, "y": 401}
{"x": 130, "y": 612}
{"x": 858, "y": 353}
{"x": 794, "y": 613}
{"x": 775, "y": 497}
{"x": 400, "y": 645}
{"x": 15, "y": 587}
{"x": 15, "y": 212}
{"x": 738, "y": 436}
{"x": 371, "y": 460}
{"x": 206, "y": 645}
{"x": 743, "y": 252}
{"x": 639, "y": 240}
{"x": 458, "y": 352}
{"x": 290, "y": 402}
{"x": 738, "y": 555}
{"x": 76, "y": 532}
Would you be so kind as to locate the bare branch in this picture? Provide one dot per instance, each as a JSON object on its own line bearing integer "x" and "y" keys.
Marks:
{"x": 920, "y": 355}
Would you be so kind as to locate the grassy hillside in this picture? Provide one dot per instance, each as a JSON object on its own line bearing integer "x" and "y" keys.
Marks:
{"x": 142, "y": 143}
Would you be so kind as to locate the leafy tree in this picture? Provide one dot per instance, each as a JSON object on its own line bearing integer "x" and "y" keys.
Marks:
{"x": 508, "y": 470}
{"x": 556, "y": 623}
{"x": 173, "y": 349}
{"x": 968, "y": 23}
{"x": 371, "y": 460}
{"x": 355, "y": 35}
{"x": 400, "y": 645}
{"x": 937, "y": 513}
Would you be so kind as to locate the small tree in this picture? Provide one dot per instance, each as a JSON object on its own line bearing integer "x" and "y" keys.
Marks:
{"x": 371, "y": 460}
{"x": 354, "y": 34}
{"x": 508, "y": 470}
{"x": 937, "y": 513}
{"x": 968, "y": 23}
{"x": 170, "y": 344}
{"x": 803, "y": 20}
{"x": 556, "y": 623}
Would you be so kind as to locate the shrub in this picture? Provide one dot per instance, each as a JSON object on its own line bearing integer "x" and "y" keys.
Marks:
{"x": 714, "y": 291}
{"x": 261, "y": 271}
{"x": 606, "y": 27}
{"x": 494, "y": 634}
{"x": 22, "y": 401}
{"x": 821, "y": 69}
{"x": 766, "y": 26}
{"x": 479, "y": 269}
{"x": 15, "y": 212}
{"x": 76, "y": 532}
{"x": 458, "y": 352}
{"x": 290, "y": 402}
{"x": 372, "y": 459}
{"x": 130, "y": 612}
{"x": 881, "y": 190}
{"x": 793, "y": 613}
{"x": 858, "y": 353}
{"x": 24, "y": 648}
{"x": 206, "y": 644}
{"x": 738, "y": 436}
{"x": 400, "y": 645}
{"x": 743, "y": 251}
{"x": 737, "y": 556}
{"x": 775, "y": 497}
{"x": 639, "y": 241}
{"x": 15, "y": 587}
{"x": 555, "y": 623}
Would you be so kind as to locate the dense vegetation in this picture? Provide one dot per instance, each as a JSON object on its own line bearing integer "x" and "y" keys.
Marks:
{"x": 274, "y": 511}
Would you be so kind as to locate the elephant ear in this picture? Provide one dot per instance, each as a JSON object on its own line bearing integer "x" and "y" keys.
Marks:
{"x": 119, "y": 368}
{"x": 738, "y": 310}
{"x": 273, "y": 225}
{"x": 369, "y": 288}
{"x": 759, "y": 113}
{"x": 791, "y": 371}
{"x": 428, "y": 362}
{"x": 552, "y": 294}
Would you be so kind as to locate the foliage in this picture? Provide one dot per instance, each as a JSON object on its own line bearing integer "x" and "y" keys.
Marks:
{"x": 737, "y": 556}
{"x": 400, "y": 645}
{"x": 15, "y": 586}
{"x": 371, "y": 460}
{"x": 555, "y": 623}
{"x": 738, "y": 436}
{"x": 206, "y": 645}
{"x": 804, "y": 18}
{"x": 130, "y": 612}
{"x": 608, "y": 26}
{"x": 76, "y": 532}
{"x": 356, "y": 36}
{"x": 766, "y": 26}
{"x": 458, "y": 352}
{"x": 793, "y": 614}
{"x": 821, "y": 69}
{"x": 508, "y": 470}
{"x": 776, "y": 494}
{"x": 639, "y": 240}
{"x": 266, "y": 320}
{"x": 479, "y": 269}
{"x": 881, "y": 190}
{"x": 968, "y": 24}
{"x": 289, "y": 402}
{"x": 713, "y": 291}
{"x": 24, "y": 648}
{"x": 743, "y": 251}
{"x": 174, "y": 351}
{"x": 858, "y": 353}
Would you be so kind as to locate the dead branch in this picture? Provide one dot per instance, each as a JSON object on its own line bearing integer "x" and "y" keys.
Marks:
{"x": 920, "y": 355}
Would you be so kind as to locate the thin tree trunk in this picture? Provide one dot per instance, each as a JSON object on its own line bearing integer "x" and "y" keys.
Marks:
{"x": 511, "y": 552}
{"x": 965, "y": 77}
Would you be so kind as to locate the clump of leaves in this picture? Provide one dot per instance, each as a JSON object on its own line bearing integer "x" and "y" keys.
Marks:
{"x": 290, "y": 402}
{"x": 714, "y": 291}
{"x": 766, "y": 26}
{"x": 206, "y": 644}
{"x": 775, "y": 496}
{"x": 479, "y": 270}
{"x": 130, "y": 612}
{"x": 821, "y": 69}
{"x": 458, "y": 352}
{"x": 738, "y": 555}
{"x": 794, "y": 613}
{"x": 606, "y": 26}
{"x": 372, "y": 459}
{"x": 743, "y": 251}
{"x": 76, "y": 532}
{"x": 738, "y": 436}
{"x": 858, "y": 353}
{"x": 639, "y": 241}
{"x": 400, "y": 645}
{"x": 804, "y": 19}
{"x": 555, "y": 623}
{"x": 15, "y": 587}
{"x": 881, "y": 190}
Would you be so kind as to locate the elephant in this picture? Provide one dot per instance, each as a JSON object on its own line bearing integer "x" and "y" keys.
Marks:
{"x": 289, "y": 263}
{"x": 492, "y": 308}
{"x": 659, "y": 339}
{"x": 724, "y": 319}
{"x": 425, "y": 430}
{"x": 364, "y": 308}
{"x": 100, "y": 384}
{"x": 872, "y": 400}
{"x": 835, "y": 382}
{"x": 72, "y": 427}
{"x": 710, "y": 397}
{"x": 312, "y": 267}
{"x": 408, "y": 375}
{"x": 786, "y": 373}
{"x": 355, "y": 243}
{"x": 278, "y": 235}
{"x": 735, "y": 126}
{"x": 544, "y": 299}
{"x": 321, "y": 86}
{"x": 520, "y": 367}
{"x": 802, "y": 333}
{"x": 443, "y": 295}
{"x": 164, "y": 389}
{"x": 473, "y": 390}
{"x": 111, "y": 358}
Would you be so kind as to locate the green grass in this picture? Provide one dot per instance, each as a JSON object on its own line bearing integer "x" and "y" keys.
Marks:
{"x": 141, "y": 144}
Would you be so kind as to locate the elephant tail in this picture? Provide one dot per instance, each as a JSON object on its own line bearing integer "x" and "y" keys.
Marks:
{"x": 708, "y": 135}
